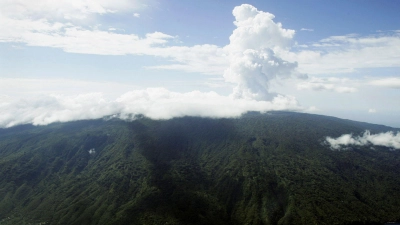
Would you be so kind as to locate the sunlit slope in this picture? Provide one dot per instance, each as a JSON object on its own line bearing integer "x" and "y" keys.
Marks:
{"x": 258, "y": 169}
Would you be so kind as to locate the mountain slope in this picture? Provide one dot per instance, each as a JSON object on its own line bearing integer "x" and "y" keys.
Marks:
{"x": 258, "y": 169}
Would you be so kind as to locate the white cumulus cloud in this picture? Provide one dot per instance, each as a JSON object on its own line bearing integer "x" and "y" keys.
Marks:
{"x": 253, "y": 61}
{"x": 388, "y": 139}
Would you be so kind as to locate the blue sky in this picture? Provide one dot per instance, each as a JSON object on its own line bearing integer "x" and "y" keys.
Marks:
{"x": 68, "y": 60}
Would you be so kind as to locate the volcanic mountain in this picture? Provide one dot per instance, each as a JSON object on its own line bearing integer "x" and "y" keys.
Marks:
{"x": 272, "y": 168}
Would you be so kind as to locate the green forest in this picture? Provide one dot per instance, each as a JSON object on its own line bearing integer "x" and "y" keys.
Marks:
{"x": 259, "y": 169}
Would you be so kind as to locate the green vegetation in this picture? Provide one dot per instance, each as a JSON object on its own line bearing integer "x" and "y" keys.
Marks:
{"x": 257, "y": 169}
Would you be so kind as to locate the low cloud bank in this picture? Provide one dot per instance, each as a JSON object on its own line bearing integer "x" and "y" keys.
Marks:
{"x": 155, "y": 103}
{"x": 388, "y": 139}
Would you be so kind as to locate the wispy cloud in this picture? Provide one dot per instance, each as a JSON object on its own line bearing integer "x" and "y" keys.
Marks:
{"x": 339, "y": 85}
{"x": 65, "y": 9}
{"x": 15, "y": 88}
{"x": 388, "y": 139}
{"x": 65, "y": 25}
{"x": 306, "y": 29}
{"x": 390, "y": 82}
{"x": 346, "y": 54}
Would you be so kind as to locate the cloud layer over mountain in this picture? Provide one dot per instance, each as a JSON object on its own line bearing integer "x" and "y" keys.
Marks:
{"x": 388, "y": 139}
{"x": 155, "y": 103}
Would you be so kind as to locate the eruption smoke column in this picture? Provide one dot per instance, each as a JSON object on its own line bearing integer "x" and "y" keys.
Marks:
{"x": 252, "y": 53}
